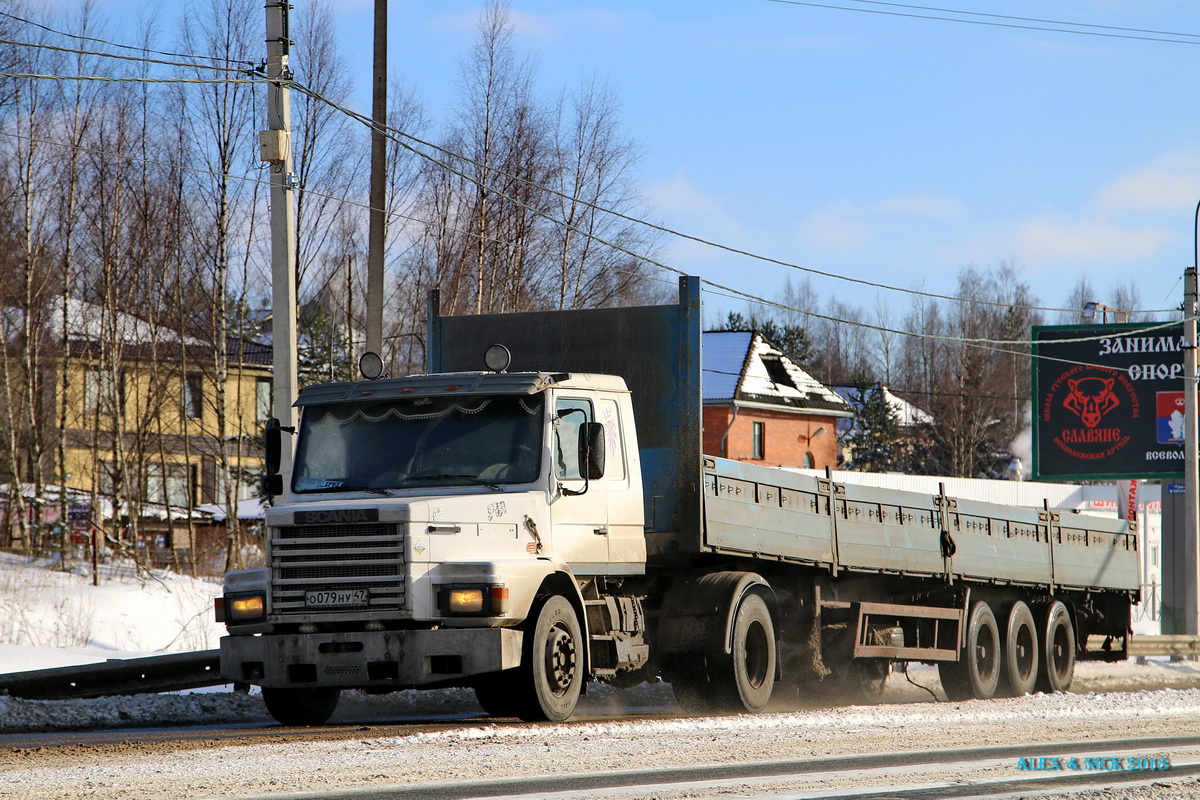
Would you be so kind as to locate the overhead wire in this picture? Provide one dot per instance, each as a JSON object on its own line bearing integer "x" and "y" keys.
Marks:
{"x": 395, "y": 136}
{"x": 386, "y": 129}
{"x": 1044, "y": 28}
{"x": 100, "y": 54}
{"x": 653, "y": 226}
{"x": 119, "y": 79}
{"x": 985, "y": 343}
{"x": 97, "y": 40}
{"x": 1025, "y": 19}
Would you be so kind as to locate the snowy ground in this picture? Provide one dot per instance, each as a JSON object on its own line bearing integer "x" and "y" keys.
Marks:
{"x": 63, "y": 620}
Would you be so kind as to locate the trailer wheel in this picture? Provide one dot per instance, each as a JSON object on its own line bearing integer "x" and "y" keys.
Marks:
{"x": 1057, "y": 669}
{"x": 551, "y": 671}
{"x": 308, "y": 706}
{"x": 977, "y": 672}
{"x": 1020, "y": 668}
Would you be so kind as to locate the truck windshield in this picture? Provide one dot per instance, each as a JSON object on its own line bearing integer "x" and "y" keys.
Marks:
{"x": 401, "y": 444}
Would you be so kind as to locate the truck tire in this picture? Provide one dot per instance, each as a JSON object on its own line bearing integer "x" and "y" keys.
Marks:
{"x": 977, "y": 672}
{"x": 1019, "y": 670}
{"x": 739, "y": 682}
{"x": 308, "y": 706}
{"x": 497, "y": 694}
{"x": 754, "y": 654}
{"x": 552, "y": 663}
{"x": 1057, "y": 668}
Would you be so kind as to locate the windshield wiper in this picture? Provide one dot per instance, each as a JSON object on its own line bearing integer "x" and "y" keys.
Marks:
{"x": 450, "y": 476}
{"x": 371, "y": 489}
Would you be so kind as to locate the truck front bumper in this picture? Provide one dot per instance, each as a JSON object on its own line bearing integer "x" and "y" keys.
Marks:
{"x": 396, "y": 659}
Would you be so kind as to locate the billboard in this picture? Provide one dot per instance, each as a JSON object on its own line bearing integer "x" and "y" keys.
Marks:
{"x": 1108, "y": 401}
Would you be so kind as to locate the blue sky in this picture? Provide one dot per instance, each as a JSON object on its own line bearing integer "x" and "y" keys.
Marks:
{"x": 885, "y": 148}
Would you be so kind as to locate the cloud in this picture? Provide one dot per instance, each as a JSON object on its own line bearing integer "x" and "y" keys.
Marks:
{"x": 1088, "y": 238}
{"x": 1164, "y": 185}
{"x": 847, "y": 226}
{"x": 678, "y": 198}
{"x": 554, "y": 25}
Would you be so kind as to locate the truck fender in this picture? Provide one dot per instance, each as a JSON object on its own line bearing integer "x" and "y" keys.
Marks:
{"x": 565, "y": 584}
{"x": 698, "y": 610}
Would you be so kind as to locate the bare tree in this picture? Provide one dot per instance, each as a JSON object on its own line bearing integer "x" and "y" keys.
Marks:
{"x": 595, "y": 176}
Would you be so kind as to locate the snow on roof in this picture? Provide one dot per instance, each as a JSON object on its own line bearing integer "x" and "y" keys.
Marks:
{"x": 251, "y": 508}
{"x": 744, "y": 365}
{"x": 906, "y": 413}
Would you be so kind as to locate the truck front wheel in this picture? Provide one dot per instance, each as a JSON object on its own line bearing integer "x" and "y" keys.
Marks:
{"x": 551, "y": 671}
{"x": 309, "y": 706}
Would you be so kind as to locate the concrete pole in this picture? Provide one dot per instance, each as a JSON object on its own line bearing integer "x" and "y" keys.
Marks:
{"x": 1191, "y": 520}
{"x": 276, "y": 148}
{"x": 377, "y": 221}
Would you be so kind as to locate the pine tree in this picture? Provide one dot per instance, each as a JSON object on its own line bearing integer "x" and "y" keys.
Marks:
{"x": 877, "y": 439}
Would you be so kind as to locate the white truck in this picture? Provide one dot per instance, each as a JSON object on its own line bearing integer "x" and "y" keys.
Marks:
{"x": 529, "y": 527}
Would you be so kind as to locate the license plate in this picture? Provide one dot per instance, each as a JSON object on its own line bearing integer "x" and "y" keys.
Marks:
{"x": 337, "y": 598}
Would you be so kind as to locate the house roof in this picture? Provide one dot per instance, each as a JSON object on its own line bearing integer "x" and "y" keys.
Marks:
{"x": 744, "y": 366}
{"x": 90, "y": 324}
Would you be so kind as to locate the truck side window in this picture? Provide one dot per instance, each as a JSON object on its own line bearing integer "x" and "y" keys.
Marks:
{"x": 606, "y": 413}
{"x": 569, "y": 414}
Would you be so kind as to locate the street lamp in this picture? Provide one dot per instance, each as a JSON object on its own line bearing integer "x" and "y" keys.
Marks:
{"x": 1091, "y": 307}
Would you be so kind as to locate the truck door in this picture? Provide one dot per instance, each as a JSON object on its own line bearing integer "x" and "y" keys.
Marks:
{"x": 580, "y": 521}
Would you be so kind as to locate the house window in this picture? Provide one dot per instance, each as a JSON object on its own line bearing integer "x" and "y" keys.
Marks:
{"x": 777, "y": 370}
{"x": 193, "y": 395}
{"x": 758, "y": 445}
{"x": 262, "y": 399}
{"x": 809, "y": 461}
{"x": 99, "y": 391}
{"x": 171, "y": 484}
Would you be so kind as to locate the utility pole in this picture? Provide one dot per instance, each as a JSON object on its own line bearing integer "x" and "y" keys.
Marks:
{"x": 275, "y": 146}
{"x": 377, "y": 229}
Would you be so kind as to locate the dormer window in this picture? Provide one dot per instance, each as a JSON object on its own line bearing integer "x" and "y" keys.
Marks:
{"x": 777, "y": 371}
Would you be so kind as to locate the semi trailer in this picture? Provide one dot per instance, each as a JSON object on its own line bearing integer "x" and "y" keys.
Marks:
{"x": 535, "y": 512}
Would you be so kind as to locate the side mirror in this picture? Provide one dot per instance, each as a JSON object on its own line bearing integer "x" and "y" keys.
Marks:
{"x": 273, "y": 445}
{"x": 272, "y": 481}
{"x": 591, "y": 450}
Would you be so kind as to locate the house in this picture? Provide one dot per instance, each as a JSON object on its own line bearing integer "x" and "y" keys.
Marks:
{"x": 762, "y": 408}
{"x": 142, "y": 419}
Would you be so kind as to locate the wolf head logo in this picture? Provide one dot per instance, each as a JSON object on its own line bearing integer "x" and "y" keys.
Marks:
{"x": 1091, "y": 398}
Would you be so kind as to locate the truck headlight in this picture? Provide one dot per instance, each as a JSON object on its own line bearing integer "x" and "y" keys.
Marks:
{"x": 249, "y": 607}
{"x": 474, "y": 601}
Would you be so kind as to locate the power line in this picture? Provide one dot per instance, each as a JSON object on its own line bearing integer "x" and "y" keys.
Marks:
{"x": 1026, "y": 19}
{"x": 388, "y": 132}
{"x": 596, "y": 207}
{"x": 985, "y": 343}
{"x": 111, "y": 79}
{"x": 987, "y": 23}
{"x": 139, "y": 59}
{"x": 663, "y": 229}
{"x": 84, "y": 38}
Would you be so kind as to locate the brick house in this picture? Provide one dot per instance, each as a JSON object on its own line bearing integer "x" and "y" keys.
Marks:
{"x": 762, "y": 408}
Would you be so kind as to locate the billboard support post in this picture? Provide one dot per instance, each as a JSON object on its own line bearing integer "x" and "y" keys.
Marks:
{"x": 1191, "y": 435}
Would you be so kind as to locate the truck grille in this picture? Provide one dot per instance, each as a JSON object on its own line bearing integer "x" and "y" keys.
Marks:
{"x": 337, "y": 559}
